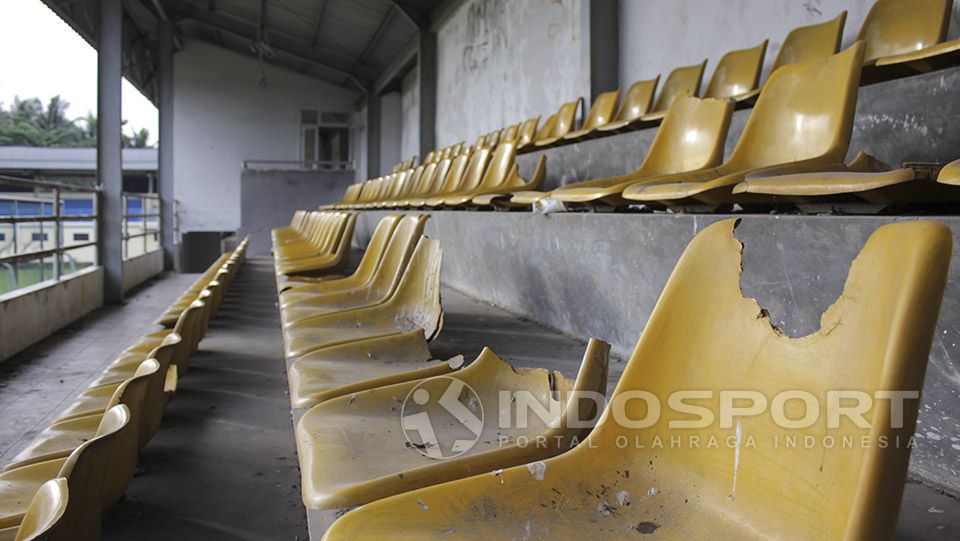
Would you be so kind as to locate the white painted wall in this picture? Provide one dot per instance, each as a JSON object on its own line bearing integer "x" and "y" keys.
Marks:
{"x": 501, "y": 62}
{"x": 410, "y": 115}
{"x": 221, "y": 117}
{"x": 659, "y": 35}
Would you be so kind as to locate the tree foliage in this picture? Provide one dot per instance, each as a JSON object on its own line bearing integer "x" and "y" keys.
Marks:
{"x": 28, "y": 123}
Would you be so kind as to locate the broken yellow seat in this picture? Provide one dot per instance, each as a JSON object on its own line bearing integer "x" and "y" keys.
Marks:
{"x": 905, "y": 37}
{"x": 357, "y": 366}
{"x": 601, "y": 112}
{"x": 636, "y": 102}
{"x": 731, "y": 472}
{"x": 691, "y": 138}
{"x": 950, "y": 174}
{"x": 562, "y": 124}
{"x": 884, "y": 186}
{"x": 365, "y": 269}
{"x": 801, "y": 123}
{"x": 807, "y": 43}
{"x": 86, "y": 471}
{"x": 513, "y": 183}
{"x": 363, "y": 447}
{"x": 737, "y": 74}
{"x": 681, "y": 82}
{"x": 415, "y": 304}
{"x": 308, "y": 301}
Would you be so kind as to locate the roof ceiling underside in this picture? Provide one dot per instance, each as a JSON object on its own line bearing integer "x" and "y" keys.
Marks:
{"x": 344, "y": 42}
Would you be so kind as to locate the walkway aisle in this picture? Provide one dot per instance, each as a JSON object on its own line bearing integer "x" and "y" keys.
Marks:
{"x": 223, "y": 465}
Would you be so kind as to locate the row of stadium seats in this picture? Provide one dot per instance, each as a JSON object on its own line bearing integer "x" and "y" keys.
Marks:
{"x": 369, "y": 386}
{"x": 802, "y": 163}
{"x": 80, "y": 465}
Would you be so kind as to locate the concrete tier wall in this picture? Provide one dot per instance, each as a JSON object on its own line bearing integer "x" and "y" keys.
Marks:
{"x": 600, "y": 275}
{"x": 139, "y": 269}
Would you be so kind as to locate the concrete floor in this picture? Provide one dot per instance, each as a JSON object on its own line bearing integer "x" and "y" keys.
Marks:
{"x": 223, "y": 465}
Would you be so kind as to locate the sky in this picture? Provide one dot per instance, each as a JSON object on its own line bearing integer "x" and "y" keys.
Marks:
{"x": 41, "y": 56}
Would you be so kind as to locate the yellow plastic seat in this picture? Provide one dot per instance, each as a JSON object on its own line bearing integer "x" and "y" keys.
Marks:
{"x": 431, "y": 178}
{"x": 415, "y": 304}
{"x": 449, "y": 182}
{"x": 509, "y": 134}
{"x": 355, "y": 449}
{"x": 308, "y": 301}
{"x": 737, "y": 74}
{"x": 172, "y": 314}
{"x": 884, "y": 186}
{"x": 681, "y": 82}
{"x": 513, "y": 183}
{"x": 499, "y": 172}
{"x": 905, "y": 37}
{"x": 636, "y": 102}
{"x": 601, "y": 112}
{"x": 562, "y": 124}
{"x": 324, "y": 261}
{"x": 527, "y": 132}
{"x": 357, "y": 366}
{"x": 691, "y": 138}
{"x": 365, "y": 269}
{"x": 471, "y": 177}
{"x": 85, "y": 471}
{"x": 797, "y": 126}
{"x": 808, "y": 43}
{"x": 726, "y": 475}
{"x": 950, "y": 174}
{"x": 62, "y": 437}
{"x": 45, "y": 514}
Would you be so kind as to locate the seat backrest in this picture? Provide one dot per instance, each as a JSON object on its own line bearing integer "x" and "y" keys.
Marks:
{"x": 546, "y": 128}
{"x": 509, "y": 133}
{"x": 901, "y": 26}
{"x": 638, "y": 99}
{"x": 376, "y": 248}
{"x": 492, "y": 139}
{"x": 681, "y": 82}
{"x": 705, "y": 336}
{"x": 475, "y": 170}
{"x": 89, "y": 469}
{"x": 499, "y": 166}
{"x": 437, "y": 177}
{"x": 812, "y": 42}
{"x": 566, "y": 116}
{"x": 397, "y": 255}
{"x": 602, "y": 110}
{"x": 454, "y": 175}
{"x": 417, "y": 297}
{"x": 45, "y": 512}
{"x": 804, "y": 112}
{"x": 691, "y": 137}
{"x": 527, "y": 132}
{"x": 738, "y": 72}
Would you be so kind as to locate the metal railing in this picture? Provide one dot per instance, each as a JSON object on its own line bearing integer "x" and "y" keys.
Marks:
{"x": 32, "y": 210}
{"x": 144, "y": 224}
{"x": 298, "y": 165}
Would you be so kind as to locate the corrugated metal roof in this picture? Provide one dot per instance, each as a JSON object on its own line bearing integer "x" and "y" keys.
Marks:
{"x": 346, "y": 42}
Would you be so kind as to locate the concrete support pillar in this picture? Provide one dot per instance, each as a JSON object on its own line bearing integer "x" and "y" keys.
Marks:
{"x": 109, "y": 143}
{"x": 373, "y": 134}
{"x": 601, "y": 42}
{"x": 427, "y": 72}
{"x": 165, "y": 32}
{"x": 391, "y": 128}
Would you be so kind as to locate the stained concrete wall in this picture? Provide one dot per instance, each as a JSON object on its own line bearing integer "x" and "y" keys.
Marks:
{"x": 35, "y": 312}
{"x": 410, "y": 115}
{"x": 659, "y": 35}
{"x": 221, "y": 118}
{"x": 501, "y": 62}
{"x": 139, "y": 269}
{"x": 269, "y": 198}
{"x": 391, "y": 131}
{"x": 912, "y": 119}
{"x": 600, "y": 275}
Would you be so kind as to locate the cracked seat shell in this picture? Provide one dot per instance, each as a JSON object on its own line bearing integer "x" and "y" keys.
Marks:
{"x": 353, "y": 449}
{"x": 796, "y": 126}
{"x": 704, "y": 334}
{"x": 415, "y": 304}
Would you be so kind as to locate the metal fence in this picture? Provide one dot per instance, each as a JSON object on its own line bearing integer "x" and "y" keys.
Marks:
{"x": 297, "y": 165}
{"x": 141, "y": 223}
{"x": 45, "y": 227}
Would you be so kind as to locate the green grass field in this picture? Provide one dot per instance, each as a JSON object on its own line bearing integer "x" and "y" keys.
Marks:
{"x": 29, "y": 274}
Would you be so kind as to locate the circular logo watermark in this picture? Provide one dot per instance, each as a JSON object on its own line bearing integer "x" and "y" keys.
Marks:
{"x": 442, "y": 417}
